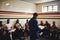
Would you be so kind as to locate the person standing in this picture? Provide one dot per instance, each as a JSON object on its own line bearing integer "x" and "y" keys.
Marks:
{"x": 33, "y": 27}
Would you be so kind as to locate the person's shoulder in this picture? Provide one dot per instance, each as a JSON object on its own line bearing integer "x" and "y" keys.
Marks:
{"x": 30, "y": 19}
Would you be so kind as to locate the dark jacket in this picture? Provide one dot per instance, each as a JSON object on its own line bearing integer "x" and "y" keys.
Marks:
{"x": 33, "y": 27}
{"x": 1, "y": 34}
{"x": 6, "y": 35}
{"x": 18, "y": 33}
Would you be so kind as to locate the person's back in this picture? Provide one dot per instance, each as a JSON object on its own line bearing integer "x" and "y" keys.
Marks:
{"x": 33, "y": 24}
{"x": 33, "y": 27}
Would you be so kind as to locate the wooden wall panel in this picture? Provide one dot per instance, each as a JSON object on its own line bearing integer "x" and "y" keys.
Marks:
{"x": 6, "y": 14}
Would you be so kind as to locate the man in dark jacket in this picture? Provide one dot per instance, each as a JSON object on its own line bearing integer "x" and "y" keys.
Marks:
{"x": 33, "y": 27}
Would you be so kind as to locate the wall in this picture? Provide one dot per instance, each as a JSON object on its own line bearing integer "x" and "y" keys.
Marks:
{"x": 9, "y": 14}
{"x": 39, "y": 6}
{"x": 50, "y": 17}
{"x": 17, "y": 6}
{"x": 58, "y": 6}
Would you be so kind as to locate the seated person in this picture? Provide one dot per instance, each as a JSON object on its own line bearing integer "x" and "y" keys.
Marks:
{"x": 41, "y": 23}
{"x": 5, "y": 33}
{"x": 26, "y": 32}
{"x": 8, "y": 25}
{"x": 46, "y": 30}
{"x": 54, "y": 30}
{"x": 19, "y": 32}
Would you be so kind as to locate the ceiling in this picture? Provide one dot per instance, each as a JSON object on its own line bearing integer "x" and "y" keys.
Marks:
{"x": 34, "y": 1}
{"x": 38, "y": 1}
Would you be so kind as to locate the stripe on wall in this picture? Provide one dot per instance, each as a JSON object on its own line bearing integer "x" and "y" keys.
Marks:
{"x": 8, "y": 14}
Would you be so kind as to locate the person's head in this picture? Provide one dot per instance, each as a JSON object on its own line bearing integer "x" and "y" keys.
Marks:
{"x": 27, "y": 20}
{"x": 46, "y": 22}
{"x": 41, "y": 21}
{"x": 8, "y": 20}
{"x": 17, "y": 21}
{"x": 53, "y": 22}
{"x": 18, "y": 25}
{"x": 35, "y": 15}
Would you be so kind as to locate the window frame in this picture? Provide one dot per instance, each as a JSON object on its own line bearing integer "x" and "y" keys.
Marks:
{"x": 48, "y": 8}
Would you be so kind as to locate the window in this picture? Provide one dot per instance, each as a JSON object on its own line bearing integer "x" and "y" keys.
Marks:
{"x": 44, "y": 9}
{"x": 50, "y": 8}
{"x": 55, "y": 8}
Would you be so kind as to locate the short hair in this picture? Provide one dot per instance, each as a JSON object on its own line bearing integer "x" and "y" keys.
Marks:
{"x": 8, "y": 19}
{"x": 35, "y": 14}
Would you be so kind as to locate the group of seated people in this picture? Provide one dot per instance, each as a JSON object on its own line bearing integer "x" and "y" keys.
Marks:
{"x": 17, "y": 32}
{"x": 50, "y": 31}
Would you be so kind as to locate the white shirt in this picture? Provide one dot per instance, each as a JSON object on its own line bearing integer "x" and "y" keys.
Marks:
{"x": 9, "y": 26}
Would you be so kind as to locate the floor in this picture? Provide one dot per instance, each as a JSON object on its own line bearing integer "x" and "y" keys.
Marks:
{"x": 41, "y": 38}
